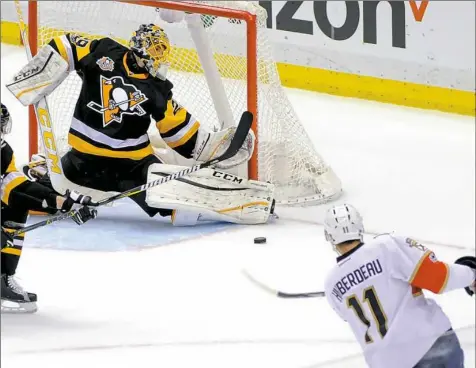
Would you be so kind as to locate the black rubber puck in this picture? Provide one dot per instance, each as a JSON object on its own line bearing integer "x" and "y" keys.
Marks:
{"x": 260, "y": 240}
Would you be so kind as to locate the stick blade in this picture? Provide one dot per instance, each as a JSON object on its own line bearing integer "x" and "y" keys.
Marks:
{"x": 238, "y": 139}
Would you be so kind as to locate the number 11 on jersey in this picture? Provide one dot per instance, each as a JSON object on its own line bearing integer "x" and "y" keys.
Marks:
{"x": 370, "y": 297}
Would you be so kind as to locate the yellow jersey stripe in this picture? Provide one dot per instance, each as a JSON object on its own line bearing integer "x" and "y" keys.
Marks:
{"x": 10, "y": 250}
{"x": 185, "y": 137}
{"x": 171, "y": 120}
{"x": 82, "y": 51}
{"x": 10, "y": 186}
{"x": 62, "y": 49}
{"x": 88, "y": 148}
{"x": 11, "y": 166}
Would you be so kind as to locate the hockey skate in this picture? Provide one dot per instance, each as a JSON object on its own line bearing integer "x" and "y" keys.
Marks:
{"x": 14, "y": 298}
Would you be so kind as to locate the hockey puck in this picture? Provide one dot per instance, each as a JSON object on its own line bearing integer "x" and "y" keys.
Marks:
{"x": 260, "y": 240}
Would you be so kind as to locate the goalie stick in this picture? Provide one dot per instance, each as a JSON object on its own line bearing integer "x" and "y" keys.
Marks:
{"x": 236, "y": 142}
{"x": 281, "y": 294}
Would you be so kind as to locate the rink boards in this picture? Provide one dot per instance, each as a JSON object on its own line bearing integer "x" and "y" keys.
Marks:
{"x": 406, "y": 53}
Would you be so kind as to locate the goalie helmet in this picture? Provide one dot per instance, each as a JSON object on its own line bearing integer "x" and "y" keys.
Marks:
{"x": 343, "y": 223}
{"x": 151, "y": 44}
{"x": 6, "y": 121}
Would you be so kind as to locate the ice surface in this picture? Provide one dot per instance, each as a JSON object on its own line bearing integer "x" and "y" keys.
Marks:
{"x": 129, "y": 291}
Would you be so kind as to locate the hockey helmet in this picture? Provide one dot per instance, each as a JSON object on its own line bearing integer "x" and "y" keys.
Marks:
{"x": 343, "y": 223}
{"x": 151, "y": 44}
{"x": 6, "y": 121}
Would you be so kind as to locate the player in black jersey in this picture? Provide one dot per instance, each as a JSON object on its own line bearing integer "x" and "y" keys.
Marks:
{"x": 18, "y": 196}
{"x": 122, "y": 89}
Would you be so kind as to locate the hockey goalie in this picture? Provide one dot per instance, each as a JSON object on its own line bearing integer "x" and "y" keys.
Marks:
{"x": 122, "y": 89}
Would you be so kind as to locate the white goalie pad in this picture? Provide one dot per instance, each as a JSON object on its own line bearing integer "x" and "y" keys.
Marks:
{"x": 210, "y": 145}
{"x": 39, "y": 77}
{"x": 215, "y": 195}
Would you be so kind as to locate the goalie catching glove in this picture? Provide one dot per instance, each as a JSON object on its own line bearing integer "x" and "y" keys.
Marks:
{"x": 210, "y": 145}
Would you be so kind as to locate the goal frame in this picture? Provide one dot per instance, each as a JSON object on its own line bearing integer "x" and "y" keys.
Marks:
{"x": 251, "y": 56}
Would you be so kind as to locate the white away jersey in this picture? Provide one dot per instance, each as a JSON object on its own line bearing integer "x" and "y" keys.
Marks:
{"x": 377, "y": 289}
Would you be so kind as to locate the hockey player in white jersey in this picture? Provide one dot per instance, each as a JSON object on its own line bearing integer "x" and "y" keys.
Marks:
{"x": 376, "y": 287}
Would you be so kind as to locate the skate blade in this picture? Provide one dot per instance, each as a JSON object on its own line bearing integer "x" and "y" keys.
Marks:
{"x": 10, "y": 307}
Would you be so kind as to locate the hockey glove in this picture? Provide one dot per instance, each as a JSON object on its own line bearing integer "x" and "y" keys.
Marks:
{"x": 468, "y": 261}
{"x": 73, "y": 197}
{"x": 84, "y": 214}
{"x": 36, "y": 169}
{"x": 7, "y": 239}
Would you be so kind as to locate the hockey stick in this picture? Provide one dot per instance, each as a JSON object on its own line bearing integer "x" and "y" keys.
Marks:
{"x": 48, "y": 221}
{"x": 281, "y": 294}
{"x": 236, "y": 142}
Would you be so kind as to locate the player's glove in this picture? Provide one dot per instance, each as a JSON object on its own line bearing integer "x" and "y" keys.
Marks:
{"x": 84, "y": 214}
{"x": 7, "y": 239}
{"x": 468, "y": 261}
{"x": 73, "y": 197}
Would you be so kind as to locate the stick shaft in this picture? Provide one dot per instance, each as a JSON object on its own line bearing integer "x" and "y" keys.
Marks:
{"x": 282, "y": 294}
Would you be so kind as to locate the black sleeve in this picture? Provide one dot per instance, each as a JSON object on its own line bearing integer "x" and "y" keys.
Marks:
{"x": 33, "y": 196}
{"x": 7, "y": 159}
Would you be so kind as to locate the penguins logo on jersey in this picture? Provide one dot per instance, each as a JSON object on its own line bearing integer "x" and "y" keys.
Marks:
{"x": 118, "y": 98}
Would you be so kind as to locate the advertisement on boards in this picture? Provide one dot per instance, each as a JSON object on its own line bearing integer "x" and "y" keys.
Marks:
{"x": 429, "y": 42}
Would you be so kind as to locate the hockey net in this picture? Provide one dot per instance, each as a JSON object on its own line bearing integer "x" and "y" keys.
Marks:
{"x": 232, "y": 33}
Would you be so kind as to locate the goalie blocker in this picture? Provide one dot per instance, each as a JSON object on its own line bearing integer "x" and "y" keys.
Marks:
{"x": 39, "y": 77}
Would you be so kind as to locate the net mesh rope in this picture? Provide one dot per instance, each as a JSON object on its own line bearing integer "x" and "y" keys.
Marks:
{"x": 286, "y": 156}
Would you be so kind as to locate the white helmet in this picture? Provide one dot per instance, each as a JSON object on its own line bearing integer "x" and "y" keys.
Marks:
{"x": 343, "y": 223}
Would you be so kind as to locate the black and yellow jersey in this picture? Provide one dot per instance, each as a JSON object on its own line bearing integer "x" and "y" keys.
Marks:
{"x": 117, "y": 100}
{"x": 11, "y": 178}
{"x": 17, "y": 191}
{"x": 19, "y": 195}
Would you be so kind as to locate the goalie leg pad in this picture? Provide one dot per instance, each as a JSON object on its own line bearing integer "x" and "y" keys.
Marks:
{"x": 39, "y": 77}
{"x": 212, "y": 195}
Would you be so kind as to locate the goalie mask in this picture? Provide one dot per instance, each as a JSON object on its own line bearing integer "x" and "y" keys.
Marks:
{"x": 6, "y": 121}
{"x": 151, "y": 44}
{"x": 343, "y": 223}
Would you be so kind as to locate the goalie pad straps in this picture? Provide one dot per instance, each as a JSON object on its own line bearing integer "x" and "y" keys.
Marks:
{"x": 212, "y": 195}
{"x": 39, "y": 77}
{"x": 212, "y": 144}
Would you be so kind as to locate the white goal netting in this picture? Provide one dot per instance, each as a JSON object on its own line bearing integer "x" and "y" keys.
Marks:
{"x": 286, "y": 156}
